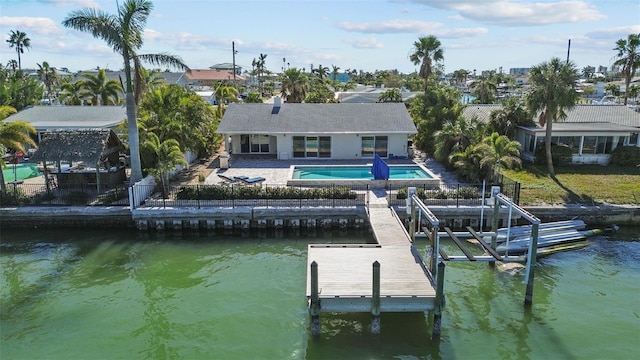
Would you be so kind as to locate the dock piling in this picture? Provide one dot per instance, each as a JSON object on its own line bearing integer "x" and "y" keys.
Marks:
{"x": 375, "y": 299}
{"x": 314, "y": 306}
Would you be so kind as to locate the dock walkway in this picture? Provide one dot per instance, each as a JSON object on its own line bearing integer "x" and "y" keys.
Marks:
{"x": 345, "y": 271}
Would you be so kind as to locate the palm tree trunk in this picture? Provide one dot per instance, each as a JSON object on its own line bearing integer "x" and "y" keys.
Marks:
{"x": 3, "y": 186}
{"x": 547, "y": 148}
{"x": 134, "y": 139}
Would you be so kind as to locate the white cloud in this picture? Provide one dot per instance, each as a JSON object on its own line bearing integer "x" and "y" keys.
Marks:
{"x": 31, "y": 25}
{"x": 512, "y": 13}
{"x": 365, "y": 43}
{"x": 618, "y": 32}
{"x": 73, "y": 3}
{"x": 391, "y": 26}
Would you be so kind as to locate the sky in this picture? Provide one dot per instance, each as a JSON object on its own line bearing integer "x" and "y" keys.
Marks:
{"x": 366, "y": 35}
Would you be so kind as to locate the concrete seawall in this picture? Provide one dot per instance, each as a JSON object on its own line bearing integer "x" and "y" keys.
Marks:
{"x": 256, "y": 218}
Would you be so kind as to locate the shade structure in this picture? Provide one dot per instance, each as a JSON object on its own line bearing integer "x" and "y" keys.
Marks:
{"x": 380, "y": 169}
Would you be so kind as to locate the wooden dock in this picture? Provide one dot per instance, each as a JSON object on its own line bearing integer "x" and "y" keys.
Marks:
{"x": 345, "y": 272}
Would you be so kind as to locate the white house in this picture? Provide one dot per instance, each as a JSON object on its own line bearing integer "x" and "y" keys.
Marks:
{"x": 318, "y": 131}
{"x": 590, "y": 131}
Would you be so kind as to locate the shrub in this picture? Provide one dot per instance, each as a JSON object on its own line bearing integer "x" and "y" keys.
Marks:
{"x": 219, "y": 192}
{"x": 14, "y": 196}
{"x": 625, "y": 156}
{"x": 560, "y": 154}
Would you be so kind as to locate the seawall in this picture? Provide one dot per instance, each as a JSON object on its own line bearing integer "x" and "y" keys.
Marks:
{"x": 256, "y": 218}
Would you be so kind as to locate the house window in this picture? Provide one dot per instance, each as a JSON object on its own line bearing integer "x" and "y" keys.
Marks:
{"x": 572, "y": 142}
{"x": 633, "y": 139}
{"x": 589, "y": 145}
{"x": 311, "y": 146}
{"x": 254, "y": 143}
{"x": 374, "y": 145}
{"x": 529, "y": 141}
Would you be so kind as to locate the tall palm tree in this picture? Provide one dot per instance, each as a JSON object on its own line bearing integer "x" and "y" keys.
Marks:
{"x": 103, "y": 91}
{"x": 553, "y": 92}
{"x": 123, "y": 32}
{"x": 629, "y": 58}
{"x": 19, "y": 41}
{"x": 74, "y": 93}
{"x": 13, "y": 135}
{"x": 426, "y": 51}
{"x": 294, "y": 85}
{"x": 262, "y": 58}
{"x": 497, "y": 152}
{"x": 334, "y": 71}
{"x": 48, "y": 76}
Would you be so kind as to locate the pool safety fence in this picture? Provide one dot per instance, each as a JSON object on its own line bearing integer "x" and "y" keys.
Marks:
{"x": 64, "y": 195}
{"x": 263, "y": 195}
{"x": 452, "y": 194}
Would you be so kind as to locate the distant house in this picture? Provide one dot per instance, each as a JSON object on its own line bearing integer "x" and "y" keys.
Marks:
{"x": 47, "y": 118}
{"x": 590, "y": 131}
{"x": 209, "y": 77}
{"x": 318, "y": 131}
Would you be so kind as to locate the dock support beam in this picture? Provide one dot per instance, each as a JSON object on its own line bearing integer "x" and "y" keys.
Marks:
{"x": 439, "y": 305}
{"x": 533, "y": 250}
{"x": 314, "y": 306}
{"x": 375, "y": 299}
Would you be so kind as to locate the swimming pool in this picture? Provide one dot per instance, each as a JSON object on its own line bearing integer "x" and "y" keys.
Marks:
{"x": 357, "y": 172}
{"x": 360, "y": 175}
{"x": 22, "y": 171}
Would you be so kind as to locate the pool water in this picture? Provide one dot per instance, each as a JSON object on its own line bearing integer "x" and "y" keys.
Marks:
{"x": 22, "y": 171}
{"x": 405, "y": 172}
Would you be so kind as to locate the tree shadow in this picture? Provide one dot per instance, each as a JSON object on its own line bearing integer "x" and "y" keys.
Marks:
{"x": 573, "y": 196}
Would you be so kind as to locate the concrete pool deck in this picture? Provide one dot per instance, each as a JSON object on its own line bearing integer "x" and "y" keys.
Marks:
{"x": 276, "y": 172}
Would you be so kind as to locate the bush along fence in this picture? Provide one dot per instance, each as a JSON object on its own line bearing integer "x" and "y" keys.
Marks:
{"x": 455, "y": 194}
{"x": 64, "y": 195}
{"x": 198, "y": 196}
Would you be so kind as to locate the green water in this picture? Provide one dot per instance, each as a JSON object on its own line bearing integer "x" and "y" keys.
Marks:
{"x": 20, "y": 172}
{"x": 81, "y": 294}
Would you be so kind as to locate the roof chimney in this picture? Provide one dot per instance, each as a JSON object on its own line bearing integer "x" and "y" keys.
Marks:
{"x": 276, "y": 105}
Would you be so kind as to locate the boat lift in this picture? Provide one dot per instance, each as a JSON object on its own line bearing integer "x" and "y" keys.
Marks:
{"x": 436, "y": 256}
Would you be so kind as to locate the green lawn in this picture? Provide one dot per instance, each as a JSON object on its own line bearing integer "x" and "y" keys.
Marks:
{"x": 586, "y": 184}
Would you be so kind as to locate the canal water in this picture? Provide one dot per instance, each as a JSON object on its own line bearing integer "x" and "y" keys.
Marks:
{"x": 120, "y": 294}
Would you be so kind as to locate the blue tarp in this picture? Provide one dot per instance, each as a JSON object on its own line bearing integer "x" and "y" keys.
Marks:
{"x": 380, "y": 169}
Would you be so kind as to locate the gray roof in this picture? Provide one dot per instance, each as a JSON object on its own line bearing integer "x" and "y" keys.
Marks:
{"x": 382, "y": 118}
{"x": 71, "y": 117}
{"x": 584, "y": 127}
{"x": 614, "y": 114}
{"x": 88, "y": 145}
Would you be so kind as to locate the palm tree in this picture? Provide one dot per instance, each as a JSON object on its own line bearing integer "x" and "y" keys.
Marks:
{"x": 48, "y": 76}
{"x": 260, "y": 66}
{"x": 321, "y": 71}
{"x": 19, "y": 41}
{"x": 13, "y": 135}
{"x": 167, "y": 154}
{"x": 123, "y": 32}
{"x": 334, "y": 72}
{"x": 12, "y": 64}
{"x": 294, "y": 85}
{"x": 484, "y": 89}
{"x": 553, "y": 92}
{"x": 512, "y": 114}
{"x": 497, "y": 151}
{"x": 455, "y": 136}
{"x": 225, "y": 94}
{"x": 391, "y": 95}
{"x": 467, "y": 163}
{"x": 253, "y": 98}
{"x": 426, "y": 52}
{"x": 102, "y": 90}
{"x": 74, "y": 93}
{"x": 629, "y": 58}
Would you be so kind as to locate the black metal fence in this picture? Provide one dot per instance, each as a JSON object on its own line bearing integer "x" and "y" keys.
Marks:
{"x": 231, "y": 196}
{"x": 453, "y": 194}
{"x": 64, "y": 195}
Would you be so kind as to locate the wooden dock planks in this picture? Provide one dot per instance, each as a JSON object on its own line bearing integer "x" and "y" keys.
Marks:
{"x": 345, "y": 272}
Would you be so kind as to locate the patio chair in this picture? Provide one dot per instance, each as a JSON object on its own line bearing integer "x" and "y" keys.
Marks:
{"x": 250, "y": 181}
{"x": 228, "y": 180}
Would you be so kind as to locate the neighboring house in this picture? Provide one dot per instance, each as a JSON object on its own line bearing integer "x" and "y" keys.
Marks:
{"x": 369, "y": 95}
{"x": 209, "y": 77}
{"x": 46, "y": 118}
{"x": 227, "y": 66}
{"x": 591, "y": 131}
{"x": 318, "y": 131}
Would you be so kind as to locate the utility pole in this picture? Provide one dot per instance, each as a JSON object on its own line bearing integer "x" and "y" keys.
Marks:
{"x": 233, "y": 49}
